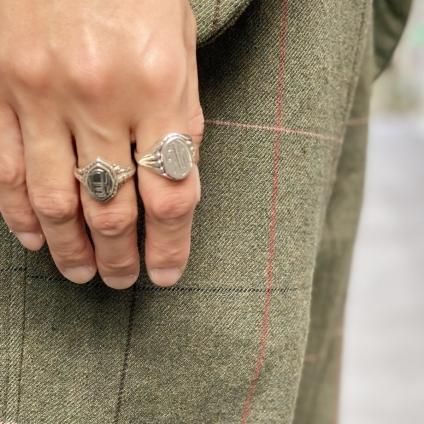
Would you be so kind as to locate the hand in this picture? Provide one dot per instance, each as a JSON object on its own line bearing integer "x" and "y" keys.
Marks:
{"x": 77, "y": 78}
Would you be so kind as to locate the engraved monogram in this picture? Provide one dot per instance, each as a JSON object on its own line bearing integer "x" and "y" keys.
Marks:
{"x": 103, "y": 179}
{"x": 177, "y": 158}
{"x": 100, "y": 183}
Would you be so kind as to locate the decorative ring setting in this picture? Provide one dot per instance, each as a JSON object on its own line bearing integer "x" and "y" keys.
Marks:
{"x": 171, "y": 157}
{"x": 103, "y": 179}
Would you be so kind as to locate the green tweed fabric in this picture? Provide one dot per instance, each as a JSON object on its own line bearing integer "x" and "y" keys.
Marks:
{"x": 319, "y": 390}
{"x": 389, "y": 19}
{"x": 253, "y": 332}
{"x": 214, "y": 16}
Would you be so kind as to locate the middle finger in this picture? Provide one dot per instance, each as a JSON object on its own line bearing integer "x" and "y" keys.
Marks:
{"x": 113, "y": 223}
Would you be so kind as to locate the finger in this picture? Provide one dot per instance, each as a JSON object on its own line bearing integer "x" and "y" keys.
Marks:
{"x": 113, "y": 224}
{"x": 14, "y": 203}
{"x": 196, "y": 122}
{"x": 53, "y": 193}
{"x": 169, "y": 205}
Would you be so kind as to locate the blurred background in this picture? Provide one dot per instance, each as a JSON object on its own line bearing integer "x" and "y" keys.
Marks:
{"x": 383, "y": 375}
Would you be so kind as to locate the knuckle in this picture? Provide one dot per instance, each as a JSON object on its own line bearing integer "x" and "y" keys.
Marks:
{"x": 120, "y": 265}
{"x": 70, "y": 254}
{"x": 12, "y": 173}
{"x": 90, "y": 78}
{"x": 197, "y": 125}
{"x": 32, "y": 69}
{"x": 172, "y": 207}
{"x": 54, "y": 206}
{"x": 164, "y": 71}
{"x": 111, "y": 223}
{"x": 167, "y": 254}
{"x": 20, "y": 218}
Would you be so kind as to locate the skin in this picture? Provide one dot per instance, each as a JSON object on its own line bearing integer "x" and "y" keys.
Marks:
{"x": 79, "y": 80}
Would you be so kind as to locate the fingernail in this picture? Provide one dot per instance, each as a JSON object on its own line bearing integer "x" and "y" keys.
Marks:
{"x": 120, "y": 283}
{"x": 32, "y": 241}
{"x": 165, "y": 277}
{"x": 80, "y": 274}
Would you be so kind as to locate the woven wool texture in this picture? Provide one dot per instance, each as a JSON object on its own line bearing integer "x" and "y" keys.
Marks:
{"x": 213, "y": 16}
{"x": 252, "y": 333}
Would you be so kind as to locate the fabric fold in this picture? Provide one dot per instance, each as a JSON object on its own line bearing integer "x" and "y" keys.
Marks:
{"x": 214, "y": 16}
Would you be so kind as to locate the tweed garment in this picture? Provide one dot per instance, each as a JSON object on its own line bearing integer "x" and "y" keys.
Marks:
{"x": 252, "y": 333}
{"x": 214, "y": 16}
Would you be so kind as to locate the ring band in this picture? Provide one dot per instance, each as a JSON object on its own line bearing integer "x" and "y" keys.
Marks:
{"x": 103, "y": 179}
{"x": 171, "y": 157}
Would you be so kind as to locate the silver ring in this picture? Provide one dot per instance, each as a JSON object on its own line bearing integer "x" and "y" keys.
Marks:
{"x": 103, "y": 179}
{"x": 171, "y": 157}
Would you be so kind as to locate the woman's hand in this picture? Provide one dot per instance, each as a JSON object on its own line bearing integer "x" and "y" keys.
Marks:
{"x": 77, "y": 78}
